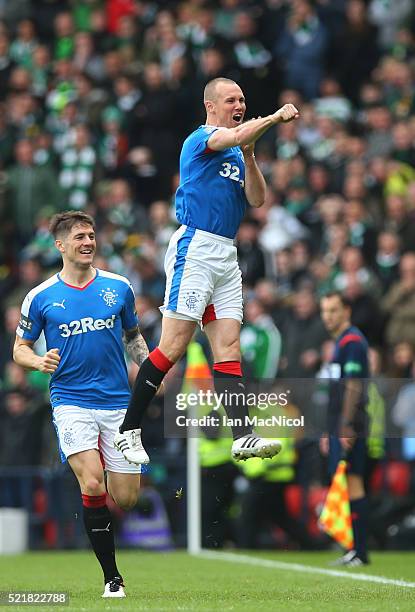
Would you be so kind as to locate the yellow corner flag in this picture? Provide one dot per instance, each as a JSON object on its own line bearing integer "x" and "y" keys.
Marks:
{"x": 335, "y": 517}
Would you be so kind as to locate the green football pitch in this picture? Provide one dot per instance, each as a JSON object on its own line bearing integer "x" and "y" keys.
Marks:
{"x": 217, "y": 581}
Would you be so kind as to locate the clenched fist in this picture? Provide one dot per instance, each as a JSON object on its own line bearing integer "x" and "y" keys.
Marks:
{"x": 49, "y": 362}
{"x": 286, "y": 113}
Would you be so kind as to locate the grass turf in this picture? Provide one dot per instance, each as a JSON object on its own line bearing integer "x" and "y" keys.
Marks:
{"x": 176, "y": 581}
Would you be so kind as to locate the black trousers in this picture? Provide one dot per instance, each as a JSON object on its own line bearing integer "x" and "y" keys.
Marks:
{"x": 217, "y": 496}
{"x": 263, "y": 504}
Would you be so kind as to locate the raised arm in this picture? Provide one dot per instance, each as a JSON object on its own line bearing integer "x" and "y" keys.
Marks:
{"x": 24, "y": 355}
{"x": 249, "y": 132}
{"x": 255, "y": 185}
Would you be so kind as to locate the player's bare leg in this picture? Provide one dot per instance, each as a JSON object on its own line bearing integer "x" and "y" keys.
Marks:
{"x": 124, "y": 489}
{"x": 175, "y": 336}
{"x": 223, "y": 335}
{"x": 224, "y": 339}
{"x": 87, "y": 468}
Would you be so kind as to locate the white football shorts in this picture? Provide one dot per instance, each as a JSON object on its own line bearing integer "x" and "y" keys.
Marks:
{"x": 203, "y": 279}
{"x": 81, "y": 429}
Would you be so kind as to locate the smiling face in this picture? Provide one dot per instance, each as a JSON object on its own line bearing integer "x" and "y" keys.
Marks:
{"x": 78, "y": 246}
{"x": 225, "y": 104}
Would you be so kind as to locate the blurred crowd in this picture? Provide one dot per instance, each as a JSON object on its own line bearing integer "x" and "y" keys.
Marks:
{"x": 96, "y": 97}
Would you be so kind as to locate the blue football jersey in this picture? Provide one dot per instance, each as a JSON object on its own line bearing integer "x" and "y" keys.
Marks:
{"x": 86, "y": 326}
{"x": 211, "y": 194}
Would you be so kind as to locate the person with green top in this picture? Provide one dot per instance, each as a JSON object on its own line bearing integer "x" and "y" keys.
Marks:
{"x": 260, "y": 342}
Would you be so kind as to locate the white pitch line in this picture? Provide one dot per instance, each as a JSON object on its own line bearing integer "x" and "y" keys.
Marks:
{"x": 298, "y": 567}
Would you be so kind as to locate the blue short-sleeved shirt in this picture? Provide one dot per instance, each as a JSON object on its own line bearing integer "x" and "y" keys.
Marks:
{"x": 211, "y": 194}
{"x": 350, "y": 360}
{"x": 86, "y": 325}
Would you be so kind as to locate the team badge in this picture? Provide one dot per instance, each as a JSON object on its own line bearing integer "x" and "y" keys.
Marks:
{"x": 68, "y": 437}
{"x": 109, "y": 296}
{"x": 191, "y": 301}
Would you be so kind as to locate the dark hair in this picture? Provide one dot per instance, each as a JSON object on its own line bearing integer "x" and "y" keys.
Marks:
{"x": 62, "y": 223}
{"x": 344, "y": 300}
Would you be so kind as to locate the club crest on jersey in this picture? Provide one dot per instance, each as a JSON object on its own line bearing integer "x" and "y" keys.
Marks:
{"x": 109, "y": 296}
{"x": 191, "y": 301}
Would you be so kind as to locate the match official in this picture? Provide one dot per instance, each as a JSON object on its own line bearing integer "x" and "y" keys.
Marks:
{"x": 349, "y": 370}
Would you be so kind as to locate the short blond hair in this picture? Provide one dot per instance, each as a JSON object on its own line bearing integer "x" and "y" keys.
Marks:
{"x": 210, "y": 89}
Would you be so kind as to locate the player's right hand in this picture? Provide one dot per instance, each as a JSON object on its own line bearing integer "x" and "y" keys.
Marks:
{"x": 49, "y": 362}
{"x": 286, "y": 113}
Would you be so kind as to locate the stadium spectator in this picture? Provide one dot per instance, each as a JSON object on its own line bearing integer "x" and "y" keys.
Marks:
{"x": 6, "y": 64}
{"x": 354, "y": 52}
{"x": 352, "y": 268}
{"x": 251, "y": 256}
{"x": 398, "y": 304}
{"x": 399, "y": 219}
{"x": 303, "y": 334}
{"x": 388, "y": 17}
{"x": 403, "y": 415}
{"x": 387, "y": 258}
{"x": 400, "y": 357}
{"x": 29, "y": 189}
{"x": 78, "y": 167}
{"x": 301, "y": 48}
{"x": 260, "y": 343}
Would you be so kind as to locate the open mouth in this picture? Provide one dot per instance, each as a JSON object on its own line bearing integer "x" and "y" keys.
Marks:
{"x": 237, "y": 117}
{"x": 86, "y": 252}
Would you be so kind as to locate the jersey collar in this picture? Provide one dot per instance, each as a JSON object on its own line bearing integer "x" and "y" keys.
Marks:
{"x": 80, "y": 288}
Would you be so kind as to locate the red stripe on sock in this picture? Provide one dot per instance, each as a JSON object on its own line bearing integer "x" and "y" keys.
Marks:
{"x": 94, "y": 501}
{"x": 160, "y": 360}
{"x": 229, "y": 367}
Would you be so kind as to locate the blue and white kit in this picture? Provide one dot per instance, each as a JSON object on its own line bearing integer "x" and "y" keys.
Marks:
{"x": 203, "y": 277}
{"x": 91, "y": 381}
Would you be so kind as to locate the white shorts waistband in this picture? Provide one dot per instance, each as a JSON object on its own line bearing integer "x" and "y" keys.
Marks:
{"x": 215, "y": 237}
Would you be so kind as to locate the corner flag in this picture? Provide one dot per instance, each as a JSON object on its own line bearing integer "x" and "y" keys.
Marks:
{"x": 335, "y": 517}
{"x": 197, "y": 365}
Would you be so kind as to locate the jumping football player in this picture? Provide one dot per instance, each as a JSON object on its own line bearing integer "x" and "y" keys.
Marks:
{"x": 219, "y": 177}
